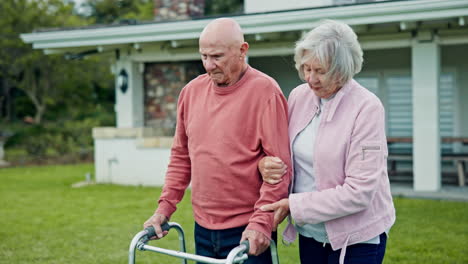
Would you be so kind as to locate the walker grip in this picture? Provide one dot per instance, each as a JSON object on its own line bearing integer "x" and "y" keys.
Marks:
{"x": 247, "y": 245}
{"x": 150, "y": 232}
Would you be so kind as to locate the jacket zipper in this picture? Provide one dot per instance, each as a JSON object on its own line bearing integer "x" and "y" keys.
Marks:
{"x": 326, "y": 239}
{"x": 364, "y": 148}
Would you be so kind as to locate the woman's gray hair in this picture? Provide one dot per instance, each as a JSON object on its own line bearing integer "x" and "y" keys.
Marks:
{"x": 335, "y": 47}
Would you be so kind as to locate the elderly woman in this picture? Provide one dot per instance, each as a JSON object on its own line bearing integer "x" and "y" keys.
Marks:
{"x": 340, "y": 199}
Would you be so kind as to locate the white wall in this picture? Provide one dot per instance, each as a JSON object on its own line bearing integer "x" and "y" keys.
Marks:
{"x": 121, "y": 161}
{"x": 257, "y": 6}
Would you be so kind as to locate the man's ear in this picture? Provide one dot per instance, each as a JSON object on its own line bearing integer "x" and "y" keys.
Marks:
{"x": 243, "y": 49}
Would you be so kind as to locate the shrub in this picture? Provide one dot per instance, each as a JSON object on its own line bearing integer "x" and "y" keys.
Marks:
{"x": 58, "y": 142}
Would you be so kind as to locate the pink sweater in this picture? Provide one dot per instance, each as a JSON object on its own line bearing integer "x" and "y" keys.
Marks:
{"x": 221, "y": 134}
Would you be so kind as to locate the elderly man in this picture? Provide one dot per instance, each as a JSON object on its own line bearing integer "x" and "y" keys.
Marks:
{"x": 227, "y": 120}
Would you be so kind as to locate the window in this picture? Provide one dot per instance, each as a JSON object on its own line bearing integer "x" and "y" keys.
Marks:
{"x": 395, "y": 91}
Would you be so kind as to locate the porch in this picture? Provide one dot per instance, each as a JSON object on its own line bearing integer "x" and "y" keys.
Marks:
{"x": 446, "y": 192}
{"x": 448, "y": 155}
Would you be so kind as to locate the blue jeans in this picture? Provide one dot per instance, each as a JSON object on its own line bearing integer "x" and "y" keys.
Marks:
{"x": 312, "y": 251}
{"x": 218, "y": 243}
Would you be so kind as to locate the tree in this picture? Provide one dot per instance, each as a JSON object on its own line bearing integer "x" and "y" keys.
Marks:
{"x": 222, "y": 7}
{"x": 26, "y": 69}
{"x": 114, "y": 11}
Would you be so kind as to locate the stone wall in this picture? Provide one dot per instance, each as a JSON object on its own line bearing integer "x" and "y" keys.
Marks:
{"x": 178, "y": 9}
{"x": 163, "y": 83}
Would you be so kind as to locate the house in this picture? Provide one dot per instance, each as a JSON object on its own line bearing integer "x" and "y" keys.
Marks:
{"x": 416, "y": 61}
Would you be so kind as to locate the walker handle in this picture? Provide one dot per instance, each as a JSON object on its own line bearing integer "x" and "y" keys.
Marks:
{"x": 247, "y": 245}
{"x": 150, "y": 232}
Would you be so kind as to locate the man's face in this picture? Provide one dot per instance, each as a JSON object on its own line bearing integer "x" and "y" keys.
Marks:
{"x": 222, "y": 63}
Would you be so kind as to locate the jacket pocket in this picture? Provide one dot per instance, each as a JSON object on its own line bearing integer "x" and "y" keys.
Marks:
{"x": 371, "y": 156}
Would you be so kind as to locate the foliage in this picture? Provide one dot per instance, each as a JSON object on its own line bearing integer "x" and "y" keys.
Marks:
{"x": 221, "y": 7}
{"x": 112, "y": 11}
{"x": 51, "y": 103}
{"x": 121, "y": 11}
{"x": 54, "y": 223}
{"x": 44, "y": 79}
{"x": 61, "y": 141}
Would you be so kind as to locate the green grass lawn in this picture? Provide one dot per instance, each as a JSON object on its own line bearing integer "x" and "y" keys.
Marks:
{"x": 44, "y": 220}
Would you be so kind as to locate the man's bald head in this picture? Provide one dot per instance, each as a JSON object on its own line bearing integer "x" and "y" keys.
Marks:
{"x": 222, "y": 31}
{"x": 223, "y": 51}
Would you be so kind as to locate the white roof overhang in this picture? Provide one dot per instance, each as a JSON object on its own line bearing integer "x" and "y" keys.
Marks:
{"x": 252, "y": 24}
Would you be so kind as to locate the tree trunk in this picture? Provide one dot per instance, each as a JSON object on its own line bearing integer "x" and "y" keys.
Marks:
{"x": 33, "y": 95}
{"x": 2, "y": 99}
{"x": 5, "y": 101}
{"x": 40, "y": 109}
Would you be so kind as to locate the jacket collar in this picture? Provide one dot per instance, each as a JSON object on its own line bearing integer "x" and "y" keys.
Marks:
{"x": 337, "y": 100}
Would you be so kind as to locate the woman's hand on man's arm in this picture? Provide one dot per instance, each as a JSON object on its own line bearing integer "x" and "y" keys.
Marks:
{"x": 272, "y": 169}
{"x": 281, "y": 209}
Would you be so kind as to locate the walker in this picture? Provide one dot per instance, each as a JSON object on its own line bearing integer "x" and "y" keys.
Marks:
{"x": 236, "y": 255}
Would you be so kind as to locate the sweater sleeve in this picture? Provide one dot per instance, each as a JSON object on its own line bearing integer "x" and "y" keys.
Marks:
{"x": 364, "y": 167}
{"x": 179, "y": 170}
{"x": 273, "y": 129}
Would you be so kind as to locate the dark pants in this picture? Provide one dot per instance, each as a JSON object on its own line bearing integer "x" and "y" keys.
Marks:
{"x": 312, "y": 251}
{"x": 218, "y": 243}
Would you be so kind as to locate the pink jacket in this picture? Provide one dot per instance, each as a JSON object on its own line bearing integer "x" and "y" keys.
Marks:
{"x": 353, "y": 197}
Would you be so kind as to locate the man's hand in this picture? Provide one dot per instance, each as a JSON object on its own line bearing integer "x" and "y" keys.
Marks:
{"x": 257, "y": 240}
{"x": 156, "y": 221}
{"x": 281, "y": 209}
{"x": 272, "y": 169}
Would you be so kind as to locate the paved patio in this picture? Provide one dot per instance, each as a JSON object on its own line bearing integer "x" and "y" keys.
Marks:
{"x": 447, "y": 192}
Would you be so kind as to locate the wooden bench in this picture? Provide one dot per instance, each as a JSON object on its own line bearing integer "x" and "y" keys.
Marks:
{"x": 460, "y": 159}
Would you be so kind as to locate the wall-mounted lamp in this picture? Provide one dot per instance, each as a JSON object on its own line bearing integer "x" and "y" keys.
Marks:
{"x": 122, "y": 81}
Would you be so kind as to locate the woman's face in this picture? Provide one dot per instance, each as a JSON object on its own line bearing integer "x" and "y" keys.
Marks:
{"x": 315, "y": 76}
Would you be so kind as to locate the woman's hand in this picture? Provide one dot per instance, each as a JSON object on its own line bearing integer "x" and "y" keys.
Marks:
{"x": 272, "y": 169}
{"x": 281, "y": 209}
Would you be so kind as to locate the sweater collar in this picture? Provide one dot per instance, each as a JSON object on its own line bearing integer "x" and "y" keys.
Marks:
{"x": 231, "y": 88}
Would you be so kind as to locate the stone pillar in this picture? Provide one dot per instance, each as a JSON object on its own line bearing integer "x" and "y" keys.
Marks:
{"x": 426, "y": 135}
{"x": 178, "y": 9}
{"x": 163, "y": 83}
